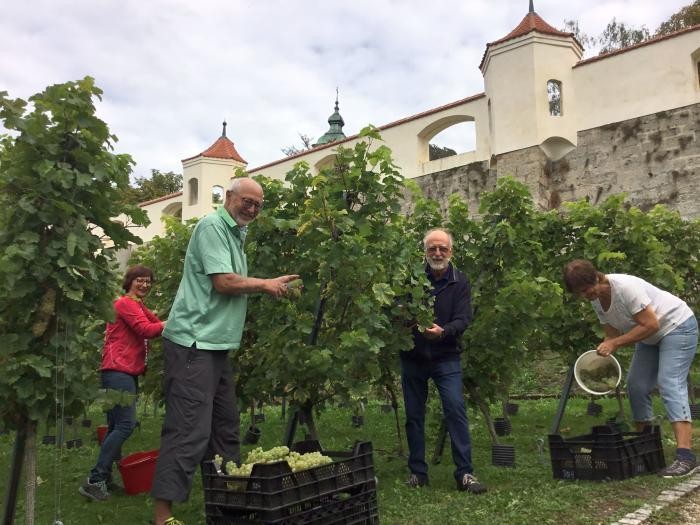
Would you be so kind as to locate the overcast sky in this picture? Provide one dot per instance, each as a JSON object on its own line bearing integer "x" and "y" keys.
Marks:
{"x": 173, "y": 70}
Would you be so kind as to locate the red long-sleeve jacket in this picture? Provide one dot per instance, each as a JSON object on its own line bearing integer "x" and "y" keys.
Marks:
{"x": 126, "y": 339}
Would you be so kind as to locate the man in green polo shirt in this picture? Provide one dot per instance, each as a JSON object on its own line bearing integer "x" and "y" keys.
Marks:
{"x": 205, "y": 321}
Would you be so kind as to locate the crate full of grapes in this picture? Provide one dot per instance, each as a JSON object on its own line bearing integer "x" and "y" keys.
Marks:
{"x": 607, "y": 453}
{"x": 305, "y": 485}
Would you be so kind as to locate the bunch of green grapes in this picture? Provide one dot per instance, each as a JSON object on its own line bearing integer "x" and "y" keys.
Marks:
{"x": 298, "y": 462}
{"x": 294, "y": 288}
{"x": 258, "y": 455}
{"x": 242, "y": 472}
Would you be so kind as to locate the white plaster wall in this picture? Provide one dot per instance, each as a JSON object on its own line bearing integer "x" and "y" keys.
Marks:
{"x": 515, "y": 78}
{"x": 553, "y": 60}
{"x": 407, "y": 139}
{"x": 641, "y": 81}
{"x": 509, "y": 85}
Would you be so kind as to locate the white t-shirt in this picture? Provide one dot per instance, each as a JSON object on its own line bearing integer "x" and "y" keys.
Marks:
{"x": 629, "y": 295}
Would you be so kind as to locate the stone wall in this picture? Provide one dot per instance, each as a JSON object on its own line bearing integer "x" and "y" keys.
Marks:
{"x": 654, "y": 159}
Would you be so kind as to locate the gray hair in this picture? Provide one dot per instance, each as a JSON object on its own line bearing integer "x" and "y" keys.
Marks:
{"x": 433, "y": 230}
{"x": 235, "y": 183}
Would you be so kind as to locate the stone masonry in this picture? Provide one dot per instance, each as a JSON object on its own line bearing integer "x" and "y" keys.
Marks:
{"x": 654, "y": 159}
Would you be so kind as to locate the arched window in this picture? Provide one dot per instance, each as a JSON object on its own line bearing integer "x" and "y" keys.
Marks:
{"x": 554, "y": 97}
{"x": 193, "y": 185}
{"x": 217, "y": 194}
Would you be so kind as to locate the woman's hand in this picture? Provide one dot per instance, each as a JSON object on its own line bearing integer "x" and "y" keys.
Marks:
{"x": 606, "y": 348}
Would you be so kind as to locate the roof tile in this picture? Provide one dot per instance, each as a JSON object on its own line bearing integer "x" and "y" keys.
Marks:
{"x": 223, "y": 148}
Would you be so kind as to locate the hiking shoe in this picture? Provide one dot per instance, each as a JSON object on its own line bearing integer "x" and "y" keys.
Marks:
{"x": 469, "y": 483}
{"x": 94, "y": 491}
{"x": 172, "y": 521}
{"x": 678, "y": 469}
{"x": 415, "y": 481}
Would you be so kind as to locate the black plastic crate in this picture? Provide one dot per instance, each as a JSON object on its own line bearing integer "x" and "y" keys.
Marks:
{"x": 606, "y": 453}
{"x": 342, "y": 492}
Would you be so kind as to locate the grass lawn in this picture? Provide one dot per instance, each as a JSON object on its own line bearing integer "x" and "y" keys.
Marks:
{"x": 526, "y": 494}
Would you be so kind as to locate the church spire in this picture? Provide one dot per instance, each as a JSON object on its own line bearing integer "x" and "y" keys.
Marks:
{"x": 532, "y": 6}
{"x": 223, "y": 133}
{"x": 336, "y": 123}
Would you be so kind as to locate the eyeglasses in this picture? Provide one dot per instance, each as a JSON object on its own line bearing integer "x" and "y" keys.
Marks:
{"x": 441, "y": 249}
{"x": 143, "y": 280}
{"x": 250, "y": 203}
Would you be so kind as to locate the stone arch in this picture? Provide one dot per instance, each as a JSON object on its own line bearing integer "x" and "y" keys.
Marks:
{"x": 174, "y": 209}
{"x": 435, "y": 128}
{"x": 325, "y": 162}
{"x": 556, "y": 147}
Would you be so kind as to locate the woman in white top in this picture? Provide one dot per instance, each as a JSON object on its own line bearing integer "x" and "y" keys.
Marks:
{"x": 665, "y": 334}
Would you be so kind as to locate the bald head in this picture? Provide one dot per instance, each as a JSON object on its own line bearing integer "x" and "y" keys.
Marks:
{"x": 244, "y": 200}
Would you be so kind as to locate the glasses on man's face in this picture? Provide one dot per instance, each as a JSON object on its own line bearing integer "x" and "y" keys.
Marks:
{"x": 251, "y": 204}
{"x": 143, "y": 281}
{"x": 436, "y": 249}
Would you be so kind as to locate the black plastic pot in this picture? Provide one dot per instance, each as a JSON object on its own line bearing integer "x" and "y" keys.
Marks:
{"x": 68, "y": 420}
{"x": 259, "y": 418}
{"x": 252, "y": 436}
{"x": 503, "y": 455}
{"x": 512, "y": 408}
{"x": 87, "y": 423}
{"x": 358, "y": 421}
{"x": 502, "y": 426}
{"x": 78, "y": 442}
{"x": 48, "y": 440}
{"x": 386, "y": 408}
{"x": 594, "y": 409}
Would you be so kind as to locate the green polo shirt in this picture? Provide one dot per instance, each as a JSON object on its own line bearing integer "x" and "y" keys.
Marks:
{"x": 200, "y": 314}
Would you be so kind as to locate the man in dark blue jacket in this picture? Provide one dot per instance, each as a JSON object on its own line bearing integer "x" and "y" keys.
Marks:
{"x": 436, "y": 355}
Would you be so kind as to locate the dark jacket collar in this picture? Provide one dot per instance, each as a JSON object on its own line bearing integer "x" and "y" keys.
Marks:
{"x": 449, "y": 275}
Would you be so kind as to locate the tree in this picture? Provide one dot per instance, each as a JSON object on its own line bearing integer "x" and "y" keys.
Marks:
{"x": 686, "y": 17}
{"x": 342, "y": 231}
{"x": 438, "y": 152}
{"x": 571, "y": 26}
{"x": 157, "y": 185}
{"x": 306, "y": 144}
{"x": 617, "y": 35}
{"x": 60, "y": 188}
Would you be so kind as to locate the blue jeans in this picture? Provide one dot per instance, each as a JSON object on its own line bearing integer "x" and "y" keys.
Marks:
{"x": 121, "y": 421}
{"x": 447, "y": 376}
{"x": 667, "y": 364}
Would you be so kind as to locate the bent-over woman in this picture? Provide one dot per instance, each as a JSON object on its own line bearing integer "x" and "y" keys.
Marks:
{"x": 665, "y": 334}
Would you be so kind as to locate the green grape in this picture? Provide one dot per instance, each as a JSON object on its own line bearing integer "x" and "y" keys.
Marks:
{"x": 294, "y": 288}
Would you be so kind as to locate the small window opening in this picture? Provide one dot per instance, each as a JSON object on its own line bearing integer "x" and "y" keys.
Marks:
{"x": 554, "y": 97}
{"x": 193, "y": 187}
{"x": 217, "y": 195}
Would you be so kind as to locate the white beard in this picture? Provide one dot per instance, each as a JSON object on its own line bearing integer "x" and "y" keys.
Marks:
{"x": 438, "y": 265}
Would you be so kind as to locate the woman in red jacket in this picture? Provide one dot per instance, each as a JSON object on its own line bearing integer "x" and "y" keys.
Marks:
{"x": 123, "y": 360}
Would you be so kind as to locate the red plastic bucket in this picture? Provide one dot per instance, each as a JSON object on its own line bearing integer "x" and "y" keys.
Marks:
{"x": 137, "y": 471}
{"x": 101, "y": 433}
